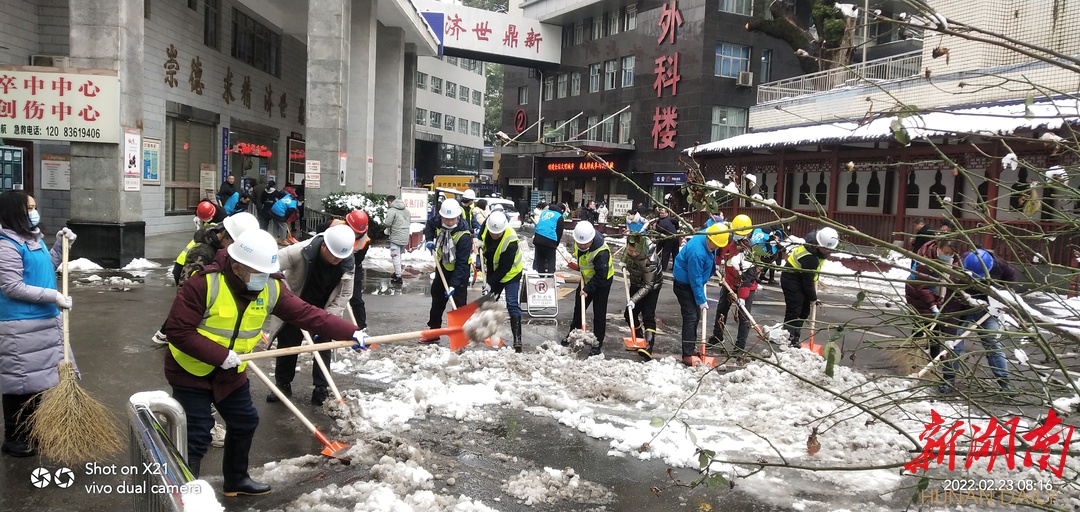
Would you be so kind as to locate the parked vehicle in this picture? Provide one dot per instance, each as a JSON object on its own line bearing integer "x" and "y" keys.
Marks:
{"x": 508, "y": 208}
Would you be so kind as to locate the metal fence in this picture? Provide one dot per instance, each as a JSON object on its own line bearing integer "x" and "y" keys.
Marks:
{"x": 897, "y": 67}
{"x": 160, "y": 475}
{"x": 313, "y": 218}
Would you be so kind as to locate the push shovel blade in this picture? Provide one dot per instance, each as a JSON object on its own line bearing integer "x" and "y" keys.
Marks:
{"x": 633, "y": 343}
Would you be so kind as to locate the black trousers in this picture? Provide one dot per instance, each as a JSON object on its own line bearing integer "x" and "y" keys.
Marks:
{"x": 668, "y": 250}
{"x": 598, "y": 299}
{"x": 691, "y": 315}
{"x": 796, "y": 304}
{"x": 644, "y": 311}
{"x": 16, "y": 426}
{"x": 241, "y": 420}
{"x": 285, "y": 366}
{"x": 359, "y": 308}
{"x": 544, "y": 259}
{"x": 724, "y": 309}
{"x": 439, "y": 299}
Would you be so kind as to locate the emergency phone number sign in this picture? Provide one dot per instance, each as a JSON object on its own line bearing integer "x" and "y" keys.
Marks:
{"x": 47, "y": 105}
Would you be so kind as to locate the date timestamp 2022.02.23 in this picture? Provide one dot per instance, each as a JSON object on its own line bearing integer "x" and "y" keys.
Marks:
{"x": 1001, "y": 484}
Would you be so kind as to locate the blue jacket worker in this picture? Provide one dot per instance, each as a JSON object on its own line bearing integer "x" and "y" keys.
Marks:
{"x": 694, "y": 265}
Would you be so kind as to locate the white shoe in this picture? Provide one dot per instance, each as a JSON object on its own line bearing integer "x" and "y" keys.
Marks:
{"x": 217, "y": 435}
{"x": 160, "y": 338}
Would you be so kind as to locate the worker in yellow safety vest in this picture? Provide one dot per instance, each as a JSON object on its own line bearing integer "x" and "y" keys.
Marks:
{"x": 799, "y": 278}
{"x": 218, "y": 315}
{"x": 597, "y": 270}
{"x": 502, "y": 259}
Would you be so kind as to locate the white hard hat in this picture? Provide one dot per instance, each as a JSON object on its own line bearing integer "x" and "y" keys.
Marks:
{"x": 237, "y": 224}
{"x": 584, "y": 232}
{"x": 339, "y": 240}
{"x": 468, "y": 195}
{"x": 828, "y": 238}
{"x": 450, "y": 208}
{"x": 496, "y": 207}
{"x": 257, "y": 249}
{"x": 497, "y": 222}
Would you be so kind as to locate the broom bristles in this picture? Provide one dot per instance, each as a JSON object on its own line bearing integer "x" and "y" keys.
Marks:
{"x": 70, "y": 426}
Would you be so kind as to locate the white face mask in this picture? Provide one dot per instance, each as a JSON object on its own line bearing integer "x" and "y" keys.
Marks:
{"x": 34, "y": 217}
{"x": 946, "y": 259}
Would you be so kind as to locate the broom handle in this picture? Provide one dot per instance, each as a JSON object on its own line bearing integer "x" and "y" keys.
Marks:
{"x": 626, "y": 286}
{"x": 64, "y": 312}
{"x": 445, "y": 287}
{"x": 813, "y": 322}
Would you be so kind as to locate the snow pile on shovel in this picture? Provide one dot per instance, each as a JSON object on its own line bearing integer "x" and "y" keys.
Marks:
{"x": 484, "y": 323}
{"x": 580, "y": 339}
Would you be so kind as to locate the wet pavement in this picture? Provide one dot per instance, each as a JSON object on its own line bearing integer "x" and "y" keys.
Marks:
{"x": 111, "y": 327}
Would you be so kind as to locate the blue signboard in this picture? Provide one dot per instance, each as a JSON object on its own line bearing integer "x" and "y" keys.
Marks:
{"x": 224, "y": 154}
{"x": 435, "y": 19}
{"x": 668, "y": 179}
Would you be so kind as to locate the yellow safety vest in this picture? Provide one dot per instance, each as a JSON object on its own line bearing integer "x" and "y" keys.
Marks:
{"x": 182, "y": 257}
{"x": 585, "y": 262}
{"x": 799, "y": 252}
{"x": 508, "y": 236}
{"x": 224, "y": 325}
{"x": 455, "y": 237}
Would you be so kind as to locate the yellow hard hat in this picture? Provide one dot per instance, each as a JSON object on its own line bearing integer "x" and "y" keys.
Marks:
{"x": 742, "y": 224}
{"x": 715, "y": 235}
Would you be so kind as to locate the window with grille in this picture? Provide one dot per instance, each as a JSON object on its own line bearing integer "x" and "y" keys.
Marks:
{"x": 463, "y": 94}
{"x": 451, "y": 89}
{"x": 731, "y": 59}
{"x": 255, "y": 43}
{"x": 436, "y": 119}
{"x": 477, "y": 98}
{"x": 728, "y": 122}
{"x": 436, "y": 85}
{"x": 421, "y": 80}
{"x": 421, "y": 116}
{"x": 451, "y": 121}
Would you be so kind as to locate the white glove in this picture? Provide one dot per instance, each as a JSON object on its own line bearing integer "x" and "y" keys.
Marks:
{"x": 630, "y": 305}
{"x": 935, "y": 310}
{"x": 485, "y": 289}
{"x": 231, "y": 362}
{"x": 62, "y": 301}
{"x": 704, "y": 307}
{"x": 66, "y": 233}
{"x": 741, "y": 303}
{"x": 360, "y": 337}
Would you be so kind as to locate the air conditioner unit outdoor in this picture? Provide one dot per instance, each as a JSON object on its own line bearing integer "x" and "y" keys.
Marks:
{"x": 745, "y": 79}
{"x": 56, "y": 61}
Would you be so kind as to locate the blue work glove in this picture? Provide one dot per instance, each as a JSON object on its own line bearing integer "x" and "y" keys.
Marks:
{"x": 935, "y": 310}
{"x": 360, "y": 337}
{"x": 450, "y": 292}
{"x": 430, "y": 246}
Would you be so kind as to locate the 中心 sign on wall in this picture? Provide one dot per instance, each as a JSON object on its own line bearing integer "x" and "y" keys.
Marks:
{"x": 46, "y": 105}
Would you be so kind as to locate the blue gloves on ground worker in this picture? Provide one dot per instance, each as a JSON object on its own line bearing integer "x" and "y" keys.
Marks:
{"x": 430, "y": 246}
{"x": 450, "y": 292}
{"x": 360, "y": 337}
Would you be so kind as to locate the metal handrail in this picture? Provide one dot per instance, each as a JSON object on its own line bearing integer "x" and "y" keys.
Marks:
{"x": 159, "y": 454}
{"x": 896, "y": 67}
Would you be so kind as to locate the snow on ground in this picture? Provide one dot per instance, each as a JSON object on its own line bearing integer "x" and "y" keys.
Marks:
{"x": 617, "y": 400}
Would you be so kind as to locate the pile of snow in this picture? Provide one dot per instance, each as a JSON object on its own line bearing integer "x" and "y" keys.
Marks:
{"x": 552, "y": 485}
{"x": 141, "y": 264}
{"x": 83, "y": 265}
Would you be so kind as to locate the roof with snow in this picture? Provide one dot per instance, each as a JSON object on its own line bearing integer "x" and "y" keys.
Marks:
{"x": 993, "y": 120}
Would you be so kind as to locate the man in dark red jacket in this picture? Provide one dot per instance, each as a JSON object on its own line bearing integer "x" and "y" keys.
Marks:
{"x": 218, "y": 315}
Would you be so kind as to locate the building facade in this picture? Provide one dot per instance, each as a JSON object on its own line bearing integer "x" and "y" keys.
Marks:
{"x": 638, "y": 82}
{"x": 145, "y": 106}
{"x": 828, "y": 138}
{"x": 449, "y": 117}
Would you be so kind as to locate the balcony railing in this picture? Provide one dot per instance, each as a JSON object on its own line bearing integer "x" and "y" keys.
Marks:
{"x": 897, "y": 67}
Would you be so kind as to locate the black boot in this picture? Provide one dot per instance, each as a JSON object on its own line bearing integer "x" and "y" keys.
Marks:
{"x": 193, "y": 467}
{"x": 597, "y": 349}
{"x": 650, "y": 340}
{"x": 515, "y": 328}
{"x": 286, "y": 389}
{"x": 319, "y": 395}
{"x": 234, "y": 469}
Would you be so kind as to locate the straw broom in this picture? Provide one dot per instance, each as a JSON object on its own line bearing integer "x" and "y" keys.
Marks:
{"x": 69, "y": 425}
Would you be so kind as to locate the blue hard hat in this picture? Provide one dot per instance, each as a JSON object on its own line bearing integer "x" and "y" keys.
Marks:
{"x": 979, "y": 262}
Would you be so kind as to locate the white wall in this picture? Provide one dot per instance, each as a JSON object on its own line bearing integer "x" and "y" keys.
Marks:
{"x": 443, "y": 104}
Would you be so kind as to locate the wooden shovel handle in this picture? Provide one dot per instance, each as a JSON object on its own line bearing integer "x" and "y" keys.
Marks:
{"x": 330, "y": 345}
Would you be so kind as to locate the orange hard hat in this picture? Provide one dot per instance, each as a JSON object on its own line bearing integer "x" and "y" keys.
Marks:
{"x": 358, "y": 221}
{"x": 205, "y": 211}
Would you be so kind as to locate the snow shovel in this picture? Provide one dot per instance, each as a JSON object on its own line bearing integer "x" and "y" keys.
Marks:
{"x": 810, "y": 345}
{"x": 951, "y": 345}
{"x": 632, "y": 342}
{"x": 701, "y": 359}
{"x": 322, "y": 367}
{"x": 333, "y": 449}
{"x": 455, "y": 330}
{"x": 750, "y": 318}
